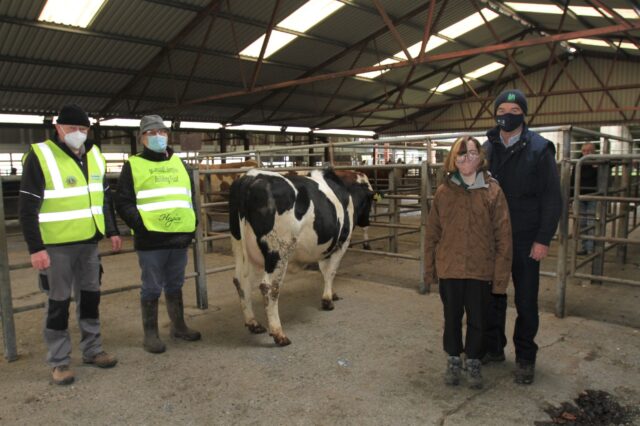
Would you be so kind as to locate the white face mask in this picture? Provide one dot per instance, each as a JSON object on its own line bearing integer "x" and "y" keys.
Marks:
{"x": 75, "y": 139}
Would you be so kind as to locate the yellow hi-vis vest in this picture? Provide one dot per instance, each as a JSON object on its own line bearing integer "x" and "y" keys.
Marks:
{"x": 163, "y": 194}
{"x": 72, "y": 207}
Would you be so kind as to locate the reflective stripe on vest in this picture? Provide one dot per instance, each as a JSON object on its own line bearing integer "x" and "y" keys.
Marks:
{"x": 72, "y": 208}
{"x": 163, "y": 194}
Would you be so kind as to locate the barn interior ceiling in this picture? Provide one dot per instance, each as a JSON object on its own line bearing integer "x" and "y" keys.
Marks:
{"x": 389, "y": 66}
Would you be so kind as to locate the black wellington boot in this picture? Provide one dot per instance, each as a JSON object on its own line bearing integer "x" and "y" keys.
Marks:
{"x": 175, "y": 308}
{"x": 152, "y": 342}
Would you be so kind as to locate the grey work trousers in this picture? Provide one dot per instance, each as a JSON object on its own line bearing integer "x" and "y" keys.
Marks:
{"x": 73, "y": 267}
{"x": 161, "y": 269}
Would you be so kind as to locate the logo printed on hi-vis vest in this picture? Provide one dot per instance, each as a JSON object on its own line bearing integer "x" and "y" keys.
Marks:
{"x": 168, "y": 219}
{"x": 163, "y": 169}
{"x": 165, "y": 179}
{"x": 95, "y": 177}
{"x": 71, "y": 180}
{"x": 167, "y": 174}
{"x": 511, "y": 97}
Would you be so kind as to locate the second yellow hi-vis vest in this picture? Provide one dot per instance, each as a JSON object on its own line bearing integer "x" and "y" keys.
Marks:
{"x": 163, "y": 194}
{"x": 72, "y": 208}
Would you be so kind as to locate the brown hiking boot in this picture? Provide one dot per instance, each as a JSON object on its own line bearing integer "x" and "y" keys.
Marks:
{"x": 62, "y": 375}
{"x": 102, "y": 360}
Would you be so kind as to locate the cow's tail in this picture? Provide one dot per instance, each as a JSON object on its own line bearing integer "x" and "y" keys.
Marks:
{"x": 237, "y": 209}
{"x": 236, "y": 205}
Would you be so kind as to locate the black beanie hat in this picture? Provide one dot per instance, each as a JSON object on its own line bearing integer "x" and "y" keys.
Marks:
{"x": 514, "y": 96}
{"x": 74, "y": 115}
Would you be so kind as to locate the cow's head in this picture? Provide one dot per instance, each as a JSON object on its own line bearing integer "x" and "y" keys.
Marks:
{"x": 362, "y": 195}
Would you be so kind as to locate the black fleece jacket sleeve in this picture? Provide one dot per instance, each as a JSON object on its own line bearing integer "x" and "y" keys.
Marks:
{"x": 126, "y": 200}
{"x": 29, "y": 202}
{"x": 550, "y": 197}
{"x": 110, "y": 226}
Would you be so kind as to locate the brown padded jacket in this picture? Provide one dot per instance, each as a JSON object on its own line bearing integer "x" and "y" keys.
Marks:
{"x": 468, "y": 234}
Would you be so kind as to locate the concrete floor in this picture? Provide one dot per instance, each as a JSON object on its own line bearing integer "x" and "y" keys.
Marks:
{"x": 376, "y": 359}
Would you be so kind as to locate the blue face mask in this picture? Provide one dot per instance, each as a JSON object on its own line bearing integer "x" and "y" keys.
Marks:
{"x": 157, "y": 143}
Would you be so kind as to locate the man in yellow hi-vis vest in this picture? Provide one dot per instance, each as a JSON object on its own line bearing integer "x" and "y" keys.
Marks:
{"x": 155, "y": 199}
{"x": 65, "y": 209}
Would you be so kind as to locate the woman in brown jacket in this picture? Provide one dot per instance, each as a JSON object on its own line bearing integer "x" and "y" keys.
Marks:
{"x": 468, "y": 250}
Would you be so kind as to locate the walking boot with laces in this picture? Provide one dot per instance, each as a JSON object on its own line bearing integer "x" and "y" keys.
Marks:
{"x": 152, "y": 342}
{"x": 62, "y": 375}
{"x": 102, "y": 360}
{"x": 474, "y": 374}
{"x": 175, "y": 308}
{"x": 452, "y": 374}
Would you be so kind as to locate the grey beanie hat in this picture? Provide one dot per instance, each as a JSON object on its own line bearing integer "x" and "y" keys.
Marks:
{"x": 151, "y": 122}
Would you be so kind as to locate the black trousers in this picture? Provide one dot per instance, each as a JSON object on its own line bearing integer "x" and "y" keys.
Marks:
{"x": 526, "y": 281}
{"x": 460, "y": 296}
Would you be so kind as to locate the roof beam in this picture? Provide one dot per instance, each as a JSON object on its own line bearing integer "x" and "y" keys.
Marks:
{"x": 499, "y": 39}
{"x": 498, "y": 47}
{"x": 573, "y": 112}
{"x": 416, "y": 81}
{"x": 130, "y": 39}
{"x": 392, "y": 28}
{"x": 251, "y": 22}
{"x": 155, "y": 75}
{"x": 426, "y": 35}
{"x": 155, "y": 62}
{"x": 334, "y": 58}
{"x": 593, "y": 71}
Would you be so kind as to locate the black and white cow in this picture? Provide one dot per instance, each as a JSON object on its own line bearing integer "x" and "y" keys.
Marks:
{"x": 276, "y": 219}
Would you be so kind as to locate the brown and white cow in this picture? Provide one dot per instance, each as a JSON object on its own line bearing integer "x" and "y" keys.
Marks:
{"x": 220, "y": 183}
{"x": 276, "y": 219}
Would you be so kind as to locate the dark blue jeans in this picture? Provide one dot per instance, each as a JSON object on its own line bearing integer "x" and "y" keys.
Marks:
{"x": 526, "y": 281}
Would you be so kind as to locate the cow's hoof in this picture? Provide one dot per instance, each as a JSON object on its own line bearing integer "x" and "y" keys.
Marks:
{"x": 336, "y": 297}
{"x": 366, "y": 246}
{"x": 256, "y": 328}
{"x": 327, "y": 305}
{"x": 281, "y": 340}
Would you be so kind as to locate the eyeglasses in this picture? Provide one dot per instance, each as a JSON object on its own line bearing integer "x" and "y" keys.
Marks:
{"x": 471, "y": 155}
{"x": 156, "y": 132}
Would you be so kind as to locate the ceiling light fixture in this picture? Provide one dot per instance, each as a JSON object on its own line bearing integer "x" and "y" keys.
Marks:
{"x": 301, "y": 20}
{"x": 75, "y": 13}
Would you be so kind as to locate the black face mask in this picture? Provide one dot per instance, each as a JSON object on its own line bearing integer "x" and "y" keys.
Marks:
{"x": 509, "y": 122}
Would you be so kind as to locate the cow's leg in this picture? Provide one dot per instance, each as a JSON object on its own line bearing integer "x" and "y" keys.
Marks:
{"x": 365, "y": 236}
{"x": 242, "y": 280}
{"x": 270, "y": 289}
{"x": 275, "y": 270}
{"x": 329, "y": 267}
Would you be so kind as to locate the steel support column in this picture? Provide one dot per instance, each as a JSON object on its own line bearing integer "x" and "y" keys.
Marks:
{"x": 563, "y": 230}
{"x": 6, "y": 303}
